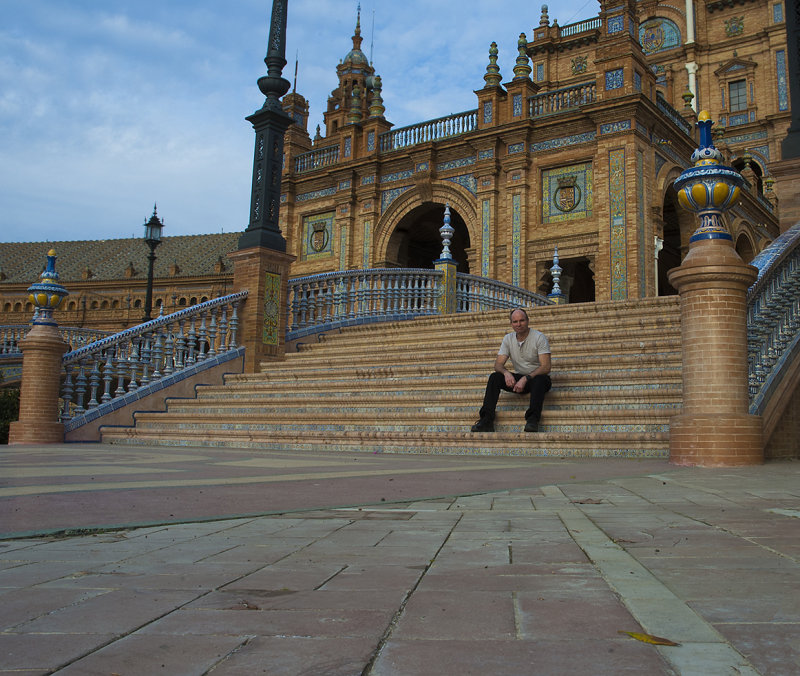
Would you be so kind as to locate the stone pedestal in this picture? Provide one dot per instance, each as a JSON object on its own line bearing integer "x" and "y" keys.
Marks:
{"x": 446, "y": 299}
{"x": 42, "y": 350}
{"x": 714, "y": 428}
{"x": 264, "y": 273}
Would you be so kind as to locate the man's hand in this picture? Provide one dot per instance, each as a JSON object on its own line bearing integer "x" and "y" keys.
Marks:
{"x": 519, "y": 386}
{"x": 510, "y": 381}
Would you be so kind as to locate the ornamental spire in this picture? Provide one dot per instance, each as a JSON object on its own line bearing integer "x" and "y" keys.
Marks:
{"x": 493, "y": 77}
{"x": 522, "y": 70}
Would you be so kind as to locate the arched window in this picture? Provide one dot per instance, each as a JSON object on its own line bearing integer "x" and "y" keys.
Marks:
{"x": 658, "y": 35}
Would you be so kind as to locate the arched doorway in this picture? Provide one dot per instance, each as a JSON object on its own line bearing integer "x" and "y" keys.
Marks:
{"x": 679, "y": 225}
{"x": 416, "y": 242}
{"x": 744, "y": 248}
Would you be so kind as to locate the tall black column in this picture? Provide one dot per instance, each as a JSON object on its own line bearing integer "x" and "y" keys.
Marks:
{"x": 790, "y": 147}
{"x": 269, "y": 123}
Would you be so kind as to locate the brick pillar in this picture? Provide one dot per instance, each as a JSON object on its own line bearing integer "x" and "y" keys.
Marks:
{"x": 264, "y": 273}
{"x": 42, "y": 350}
{"x": 714, "y": 428}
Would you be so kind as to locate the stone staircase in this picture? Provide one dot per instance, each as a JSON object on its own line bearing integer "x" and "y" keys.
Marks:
{"x": 415, "y": 387}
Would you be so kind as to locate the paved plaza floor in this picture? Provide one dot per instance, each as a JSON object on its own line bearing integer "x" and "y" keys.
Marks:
{"x": 140, "y": 561}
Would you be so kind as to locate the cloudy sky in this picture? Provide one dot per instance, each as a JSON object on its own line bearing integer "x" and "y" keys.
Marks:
{"x": 110, "y": 106}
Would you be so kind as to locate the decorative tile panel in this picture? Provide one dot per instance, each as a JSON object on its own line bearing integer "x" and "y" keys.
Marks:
{"x": 342, "y": 248}
{"x": 389, "y": 196}
{"x": 517, "y": 105}
{"x": 397, "y": 176}
{"x": 422, "y": 166}
{"x": 317, "y": 236}
{"x": 660, "y": 162}
{"x": 468, "y": 181}
{"x": 515, "y": 148}
{"x": 761, "y": 150}
{"x": 645, "y": 263}
{"x": 615, "y": 127}
{"x": 659, "y": 35}
{"x": 777, "y": 12}
{"x": 746, "y": 138}
{"x": 616, "y": 24}
{"x": 615, "y": 79}
{"x": 783, "y": 90}
{"x": 586, "y": 137}
{"x": 486, "y": 229}
{"x": 270, "y": 333}
{"x": 455, "y": 164}
{"x": 366, "y": 245}
{"x": 316, "y": 194}
{"x": 539, "y": 72}
{"x": 486, "y": 154}
{"x": 516, "y": 237}
{"x": 616, "y": 201}
{"x": 637, "y": 80}
{"x": 283, "y": 198}
{"x": 344, "y": 185}
{"x": 487, "y": 112}
{"x": 567, "y": 193}
{"x": 370, "y": 141}
{"x": 348, "y": 146}
{"x": 367, "y": 180}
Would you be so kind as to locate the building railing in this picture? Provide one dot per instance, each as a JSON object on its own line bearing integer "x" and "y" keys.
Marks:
{"x": 331, "y": 300}
{"x": 12, "y": 334}
{"x": 558, "y": 100}
{"x": 673, "y": 114}
{"x": 580, "y": 27}
{"x": 123, "y": 362}
{"x": 316, "y": 159}
{"x": 773, "y": 317}
{"x": 432, "y": 130}
{"x": 335, "y": 299}
{"x": 478, "y": 294}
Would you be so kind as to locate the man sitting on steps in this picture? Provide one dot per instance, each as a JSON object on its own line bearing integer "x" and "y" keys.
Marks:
{"x": 529, "y": 351}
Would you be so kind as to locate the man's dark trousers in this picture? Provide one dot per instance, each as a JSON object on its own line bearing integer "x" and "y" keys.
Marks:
{"x": 537, "y": 386}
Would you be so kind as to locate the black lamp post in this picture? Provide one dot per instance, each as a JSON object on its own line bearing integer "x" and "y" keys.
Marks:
{"x": 152, "y": 237}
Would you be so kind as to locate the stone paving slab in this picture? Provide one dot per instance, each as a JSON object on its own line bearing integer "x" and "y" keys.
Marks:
{"x": 542, "y": 577}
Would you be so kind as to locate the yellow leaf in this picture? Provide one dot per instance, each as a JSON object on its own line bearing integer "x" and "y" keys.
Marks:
{"x": 649, "y": 638}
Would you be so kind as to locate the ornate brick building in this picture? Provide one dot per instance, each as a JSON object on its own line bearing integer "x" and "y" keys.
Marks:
{"x": 577, "y": 148}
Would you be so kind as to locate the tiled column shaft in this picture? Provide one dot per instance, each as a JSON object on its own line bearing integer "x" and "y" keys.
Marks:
{"x": 42, "y": 350}
{"x": 714, "y": 428}
{"x": 264, "y": 273}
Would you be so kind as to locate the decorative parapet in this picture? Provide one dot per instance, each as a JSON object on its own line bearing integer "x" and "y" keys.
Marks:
{"x": 560, "y": 100}
{"x": 432, "y": 130}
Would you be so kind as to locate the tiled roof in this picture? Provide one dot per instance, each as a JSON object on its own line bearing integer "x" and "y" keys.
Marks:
{"x": 108, "y": 259}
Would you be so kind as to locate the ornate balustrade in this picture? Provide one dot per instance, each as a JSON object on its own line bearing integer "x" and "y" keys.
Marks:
{"x": 432, "y": 130}
{"x": 335, "y": 299}
{"x": 316, "y": 159}
{"x": 560, "y": 100}
{"x": 673, "y": 114}
{"x": 12, "y": 334}
{"x": 331, "y": 300}
{"x": 581, "y": 27}
{"x": 773, "y": 316}
{"x": 477, "y": 294}
{"x": 122, "y": 363}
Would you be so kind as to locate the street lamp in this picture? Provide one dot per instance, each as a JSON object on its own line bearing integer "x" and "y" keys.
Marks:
{"x": 152, "y": 237}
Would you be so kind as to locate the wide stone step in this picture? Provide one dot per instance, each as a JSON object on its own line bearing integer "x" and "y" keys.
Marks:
{"x": 516, "y": 443}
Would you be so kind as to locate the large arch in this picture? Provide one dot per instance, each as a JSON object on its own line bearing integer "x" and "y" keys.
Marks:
{"x": 408, "y": 229}
{"x": 678, "y": 224}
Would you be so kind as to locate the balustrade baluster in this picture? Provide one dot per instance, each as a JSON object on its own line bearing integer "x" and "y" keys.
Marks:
{"x": 223, "y": 330}
{"x": 180, "y": 346}
{"x": 133, "y": 363}
{"x": 234, "y": 324}
{"x": 145, "y": 357}
{"x": 212, "y": 334}
{"x": 169, "y": 355}
{"x": 66, "y": 393}
{"x": 201, "y": 339}
{"x": 94, "y": 383}
{"x": 192, "y": 341}
{"x": 120, "y": 362}
{"x": 108, "y": 376}
{"x": 80, "y": 389}
{"x": 158, "y": 352}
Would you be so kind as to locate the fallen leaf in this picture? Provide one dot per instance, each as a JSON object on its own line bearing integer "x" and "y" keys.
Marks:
{"x": 587, "y": 501}
{"x": 649, "y": 638}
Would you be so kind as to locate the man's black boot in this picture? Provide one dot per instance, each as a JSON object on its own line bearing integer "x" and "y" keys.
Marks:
{"x": 531, "y": 426}
{"x": 484, "y": 425}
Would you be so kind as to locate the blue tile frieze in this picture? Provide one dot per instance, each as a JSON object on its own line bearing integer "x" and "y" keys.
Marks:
{"x": 389, "y": 196}
{"x": 586, "y": 137}
{"x": 325, "y": 192}
{"x": 455, "y": 164}
{"x": 615, "y": 127}
{"x": 466, "y": 180}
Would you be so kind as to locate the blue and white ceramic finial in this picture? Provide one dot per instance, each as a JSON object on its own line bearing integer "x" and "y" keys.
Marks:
{"x": 446, "y": 231}
{"x": 708, "y": 188}
{"x": 47, "y": 294}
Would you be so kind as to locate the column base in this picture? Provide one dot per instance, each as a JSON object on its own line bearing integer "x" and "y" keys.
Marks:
{"x": 715, "y": 440}
{"x": 20, "y": 432}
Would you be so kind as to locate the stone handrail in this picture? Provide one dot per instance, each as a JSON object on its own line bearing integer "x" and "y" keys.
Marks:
{"x": 331, "y": 300}
{"x": 316, "y": 159}
{"x": 673, "y": 114}
{"x": 122, "y": 363}
{"x": 335, "y": 299}
{"x": 432, "y": 130}
{"x": 580, "y": 27}
{"x": 773, "y": 316}
{"x": 559, "y": 100}
{"x": 12, "y": 334}
{"x": 478, "y": 294}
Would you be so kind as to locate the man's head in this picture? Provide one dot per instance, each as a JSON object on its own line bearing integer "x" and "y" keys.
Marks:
{"x": 519, "y": 321}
